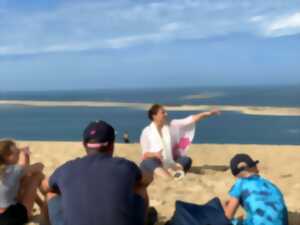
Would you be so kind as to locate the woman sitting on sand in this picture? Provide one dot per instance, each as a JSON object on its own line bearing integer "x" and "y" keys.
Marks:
{"x": 18, "y": 183}
{"x": 164, "y": 145}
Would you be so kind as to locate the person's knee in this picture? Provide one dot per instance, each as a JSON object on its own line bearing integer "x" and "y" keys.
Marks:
{"x": 189, "y": 161}
{"x": 188, "y": 164}
{"x": 41, "y": 176}
{"x": 150, "y": 165}
{"x": 31, "y": 180}
{"x": 37, "y": 177}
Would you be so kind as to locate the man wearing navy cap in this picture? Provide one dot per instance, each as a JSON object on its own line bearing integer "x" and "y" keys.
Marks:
{"x": 98, "y": 189}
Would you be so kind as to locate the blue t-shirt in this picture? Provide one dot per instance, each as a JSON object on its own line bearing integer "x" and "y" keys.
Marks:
{"x": 99, "y": 189}
{"x": 262, "y": 201}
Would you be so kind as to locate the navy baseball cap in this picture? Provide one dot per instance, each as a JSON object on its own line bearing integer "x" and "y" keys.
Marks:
{"x": 100, "y": 132}
{"x": 241, "y": 162}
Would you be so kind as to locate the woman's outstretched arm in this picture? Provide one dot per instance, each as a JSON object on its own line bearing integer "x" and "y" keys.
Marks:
{"x": 200, "y": 116}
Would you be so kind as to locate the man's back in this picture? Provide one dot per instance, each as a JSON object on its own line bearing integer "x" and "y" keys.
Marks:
{"x": 98, "y": 190}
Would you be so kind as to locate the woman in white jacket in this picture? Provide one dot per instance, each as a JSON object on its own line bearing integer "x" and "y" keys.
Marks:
{"x": 164, "y": 145}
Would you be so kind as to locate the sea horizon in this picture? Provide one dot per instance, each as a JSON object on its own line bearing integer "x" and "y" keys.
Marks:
{"x": 156, "y": 87}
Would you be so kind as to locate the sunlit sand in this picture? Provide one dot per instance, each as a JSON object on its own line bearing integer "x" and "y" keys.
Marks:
{"x": 209, "y": 176}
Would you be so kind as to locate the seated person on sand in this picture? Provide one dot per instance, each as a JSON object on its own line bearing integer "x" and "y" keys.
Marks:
{"x": 19, "y": 182}
{"x": 126, "y": 137}
{"x": 262, "y": 200}
{"x": 97, "y": 188}
{"x": 165, "y": 145}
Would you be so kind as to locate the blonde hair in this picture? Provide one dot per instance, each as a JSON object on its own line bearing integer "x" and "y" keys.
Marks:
{"x": 5, "y": 149}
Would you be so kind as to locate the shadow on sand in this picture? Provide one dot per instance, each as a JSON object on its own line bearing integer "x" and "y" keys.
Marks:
{"x": 202, "y": 169}
{"x": 294, "y": 218}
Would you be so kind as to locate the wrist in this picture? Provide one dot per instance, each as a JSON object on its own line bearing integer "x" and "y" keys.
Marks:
{"x": 26, "y": 151}
{"x": 208, "y": 114}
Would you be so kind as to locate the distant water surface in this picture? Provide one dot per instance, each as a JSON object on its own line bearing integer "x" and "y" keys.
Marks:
{"x": 67, "y": 123}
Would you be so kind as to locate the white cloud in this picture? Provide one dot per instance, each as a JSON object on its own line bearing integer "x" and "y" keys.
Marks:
{"x": 256, "y": 19}
{"x": 88, "y": 25}
{"x": 114, "y": 43}
{"x": 284, "y": 26}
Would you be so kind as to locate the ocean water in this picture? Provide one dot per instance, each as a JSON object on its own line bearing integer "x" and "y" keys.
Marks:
{"x": 67, "y": 123}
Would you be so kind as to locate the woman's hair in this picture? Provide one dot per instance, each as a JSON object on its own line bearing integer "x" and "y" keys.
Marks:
{"x": 5, "y": 149}
{"x": 153, "y": 110}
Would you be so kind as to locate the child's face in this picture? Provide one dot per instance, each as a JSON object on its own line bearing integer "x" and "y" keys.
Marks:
{"x": 13, "y": 156}
{"x": 248, "y": 172}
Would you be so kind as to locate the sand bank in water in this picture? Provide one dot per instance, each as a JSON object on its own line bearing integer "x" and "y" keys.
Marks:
{"x": 249, "y": 110}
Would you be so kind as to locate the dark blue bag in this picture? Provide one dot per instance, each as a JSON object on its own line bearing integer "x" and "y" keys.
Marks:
{"x": 211, "y": 213}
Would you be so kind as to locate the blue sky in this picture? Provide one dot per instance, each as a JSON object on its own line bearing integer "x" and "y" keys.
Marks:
{"x": 81, "y": 44}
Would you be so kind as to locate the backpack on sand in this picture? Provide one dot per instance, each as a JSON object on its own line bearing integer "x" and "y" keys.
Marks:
{"x": 211, "y": 213}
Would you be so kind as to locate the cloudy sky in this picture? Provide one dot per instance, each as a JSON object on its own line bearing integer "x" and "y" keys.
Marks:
{"x": 79, "y": 44}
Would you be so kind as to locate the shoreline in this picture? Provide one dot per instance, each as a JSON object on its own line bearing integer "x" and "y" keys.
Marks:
{"x": 247, "y": 110}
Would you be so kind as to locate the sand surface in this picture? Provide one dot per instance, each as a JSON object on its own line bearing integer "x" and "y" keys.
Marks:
{"x": 249, "y": 110}
{"x": 209, "y": 176}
